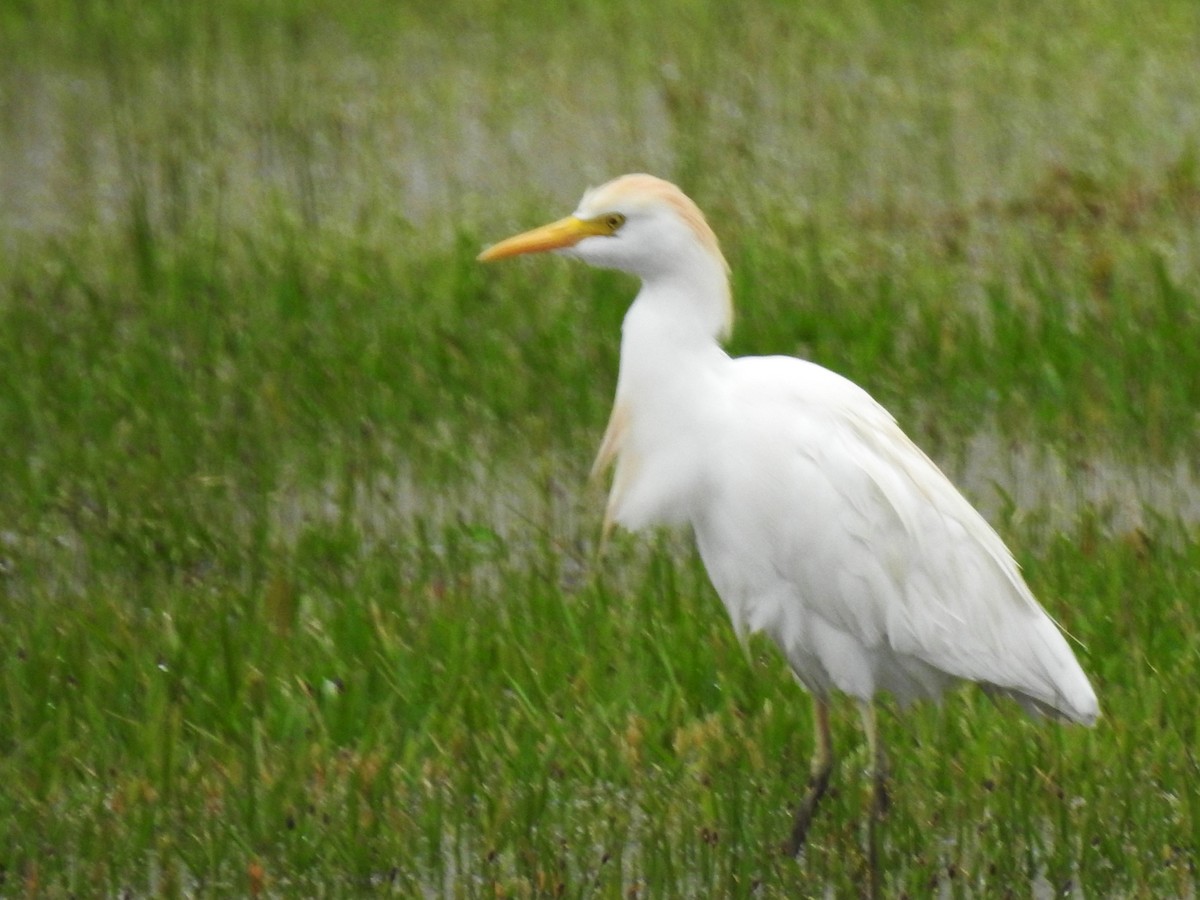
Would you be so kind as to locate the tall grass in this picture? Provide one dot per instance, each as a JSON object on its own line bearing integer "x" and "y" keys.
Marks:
{"x": 299, "y": 581}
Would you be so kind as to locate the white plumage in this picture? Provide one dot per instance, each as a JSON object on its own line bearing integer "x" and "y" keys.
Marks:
{"x": 819, "y": 522}
{"x": 823, "y": 526}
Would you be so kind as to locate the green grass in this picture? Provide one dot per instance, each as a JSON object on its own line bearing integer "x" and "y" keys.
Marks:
{"x": 299, "y": 582}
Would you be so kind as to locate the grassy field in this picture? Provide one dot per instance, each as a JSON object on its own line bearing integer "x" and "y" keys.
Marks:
{"x": 299, "y": 586}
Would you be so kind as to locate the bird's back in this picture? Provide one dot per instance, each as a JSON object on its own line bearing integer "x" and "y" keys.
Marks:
{"x": 823, "y": 526}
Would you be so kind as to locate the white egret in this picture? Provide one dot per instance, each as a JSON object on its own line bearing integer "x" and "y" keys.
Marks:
{"x": 819, "y": 522}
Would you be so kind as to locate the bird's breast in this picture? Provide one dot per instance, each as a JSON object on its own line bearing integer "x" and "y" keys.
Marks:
{"x": 657, "y": 484}
{"x": 660, "y": 466}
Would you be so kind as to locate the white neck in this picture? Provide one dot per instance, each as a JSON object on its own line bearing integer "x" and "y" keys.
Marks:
{"x": 673, "y": 329}
{"x": 667, "y": 390}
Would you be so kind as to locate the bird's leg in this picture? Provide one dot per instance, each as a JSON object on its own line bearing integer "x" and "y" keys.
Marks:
{"x": 881, "y": 799}
{"x": 879, "y": 794}
{"x": 818, "y": 780}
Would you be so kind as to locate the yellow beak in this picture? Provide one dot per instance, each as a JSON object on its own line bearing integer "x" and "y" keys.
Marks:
{"x": 564, "y": 233}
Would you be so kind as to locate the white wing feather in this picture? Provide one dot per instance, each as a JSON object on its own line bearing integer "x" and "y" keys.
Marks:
{"x": 824, "y": 526}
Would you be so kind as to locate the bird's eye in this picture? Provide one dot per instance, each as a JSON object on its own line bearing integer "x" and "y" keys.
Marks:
{"x": 613, "y": 221}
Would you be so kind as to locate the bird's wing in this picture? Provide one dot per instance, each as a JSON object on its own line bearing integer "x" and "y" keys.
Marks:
{"x": 817, "y": 483}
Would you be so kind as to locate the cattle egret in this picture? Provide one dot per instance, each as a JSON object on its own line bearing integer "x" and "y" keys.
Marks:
{"x": 819, "y": 522}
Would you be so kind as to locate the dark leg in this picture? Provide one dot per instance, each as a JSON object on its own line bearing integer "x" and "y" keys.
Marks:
{"x": 879, "y": 796}
{"x": 818, "y": 781}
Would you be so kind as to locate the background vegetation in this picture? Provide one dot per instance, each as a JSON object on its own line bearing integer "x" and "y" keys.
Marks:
{"x": 298, "y": 584}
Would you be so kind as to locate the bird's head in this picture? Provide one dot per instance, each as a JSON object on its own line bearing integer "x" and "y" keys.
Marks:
{"x": 636, "y": 223}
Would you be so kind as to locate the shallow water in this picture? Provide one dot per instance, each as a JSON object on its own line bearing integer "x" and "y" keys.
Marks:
{"x": 1124, "y": 496}
{"x": 522, "y": 503}
{"x": 441, "y": 127}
